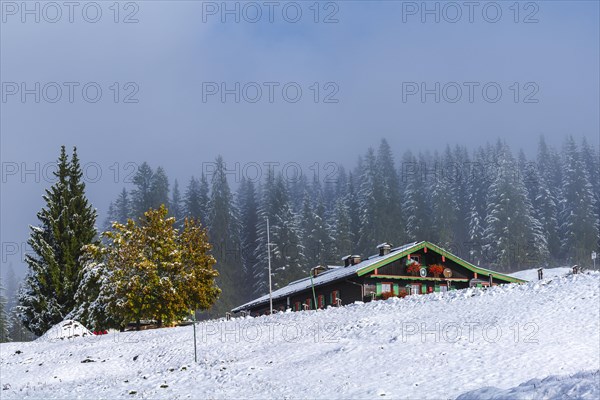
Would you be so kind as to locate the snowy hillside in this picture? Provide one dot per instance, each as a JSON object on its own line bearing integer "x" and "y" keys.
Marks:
{"x": 440, "y": 345}
{"x": 583, "y": 385}
{"x": 532, "y": 274}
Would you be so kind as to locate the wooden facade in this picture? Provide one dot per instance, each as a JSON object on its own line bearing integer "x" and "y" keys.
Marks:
{"x": 378, "y": 277}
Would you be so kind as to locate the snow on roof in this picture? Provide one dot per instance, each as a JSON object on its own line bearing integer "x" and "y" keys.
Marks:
{"x": 327, "y": 276}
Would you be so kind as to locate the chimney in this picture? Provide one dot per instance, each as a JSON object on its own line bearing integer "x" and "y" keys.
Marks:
{"x": 384, "y": 249}
{"x": 355, "y": 259}
{"x": 317, "y": 270}
{"x": 346, "y": 260}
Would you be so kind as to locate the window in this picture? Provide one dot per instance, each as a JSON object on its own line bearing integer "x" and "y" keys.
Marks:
{"x": 321, "y": 301}
{"x": 297, "y": 306}
{"x": 386, "y": 287}
{"x": 415, "y": 288}
{"x": 415, "y": 257}
{"x": 370, "y": 288}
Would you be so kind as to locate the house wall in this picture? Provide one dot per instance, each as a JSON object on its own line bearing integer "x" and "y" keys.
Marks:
{"x": 347, "y": 292}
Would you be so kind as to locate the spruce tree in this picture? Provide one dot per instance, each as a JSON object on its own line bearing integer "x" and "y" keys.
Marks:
{"x": 12, "y": 288}
{"x": 176, "y": 205}
{"x": 204, "y": 200}
{"x": 416, "y": 199}
{"x": 591, "y": 159}
{"x": 67, "y": 223}
{"x": 191, "y": 200}
{"x": 122, "y": 207}
{"x": 457, "y": 173}
{"x": 159, "y": 189}
{"x": 390, "y": 213}
{"x": 4, "y": 320}
{"x": 444, "y": 203}
{"x": 111, "y": 216}
{"x": 246, "y": 202}
{"x": 369, "y": 204}
{"x": 578, "y": 219}
{"x": 342, "y": 234}
{"x": 479, "y": 182}
{"x": 547, "y": 196}
{"x": 223, "y": 232}
{"x": 141, "y": 195}
{"x": 287, "y": 254}
{"x": 513, "y": 236}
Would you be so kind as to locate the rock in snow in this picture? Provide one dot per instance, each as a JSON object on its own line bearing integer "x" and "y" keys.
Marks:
{"x": 536, "y": 340}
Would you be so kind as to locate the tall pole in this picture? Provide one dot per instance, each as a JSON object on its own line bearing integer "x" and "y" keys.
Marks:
{"x": 195, "y": 349}
{"x": 269, "y": 258}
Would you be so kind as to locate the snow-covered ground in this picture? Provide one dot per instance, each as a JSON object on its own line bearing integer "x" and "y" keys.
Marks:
{"x": 532, "y": 274}
{"x": 583, "y": 385}
{"x": 432, "y": 346}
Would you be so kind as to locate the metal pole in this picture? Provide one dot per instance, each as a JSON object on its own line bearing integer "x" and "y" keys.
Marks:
{"x": 313, "y": 287}
{"x": 195, "y": 350}
{"x": 269, "y": 258}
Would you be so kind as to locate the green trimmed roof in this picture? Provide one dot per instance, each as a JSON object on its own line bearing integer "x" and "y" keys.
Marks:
{"x": 439, "y": 250}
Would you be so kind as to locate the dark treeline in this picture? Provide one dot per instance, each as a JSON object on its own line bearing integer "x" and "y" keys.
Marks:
{"x": 490, "y": 206}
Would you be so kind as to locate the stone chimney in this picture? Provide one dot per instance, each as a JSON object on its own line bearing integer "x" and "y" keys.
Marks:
{"x": 384, "y": 249}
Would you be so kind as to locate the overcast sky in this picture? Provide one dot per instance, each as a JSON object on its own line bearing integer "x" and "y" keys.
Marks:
{"x": 366, "y": 70}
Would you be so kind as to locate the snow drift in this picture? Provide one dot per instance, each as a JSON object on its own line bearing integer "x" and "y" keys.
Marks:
{"x": 439, "y": 345}
{"x": 66, "y": 330}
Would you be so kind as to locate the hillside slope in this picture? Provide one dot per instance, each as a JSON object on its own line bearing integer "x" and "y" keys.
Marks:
{"x": 430, "y": 346}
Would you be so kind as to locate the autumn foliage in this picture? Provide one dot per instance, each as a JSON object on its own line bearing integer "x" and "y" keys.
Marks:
{"x": 152, "y": 271}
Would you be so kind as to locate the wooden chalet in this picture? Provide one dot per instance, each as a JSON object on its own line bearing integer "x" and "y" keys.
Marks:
{"x": 415, "y": 268}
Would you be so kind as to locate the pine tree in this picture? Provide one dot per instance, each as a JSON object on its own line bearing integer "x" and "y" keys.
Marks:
{"x": 122, "y": 208}
{"x": 351, "y": 201}
{"x": 204, "y": 200}
{"x": 16, "y": 330}
{"x": 176, "y": 205}
{"x": 248, "y": 214}
{"x": 444, "y": 204}
{"x": 513, "y": 236}
{"x": 315, "y": 237}
{"x": 457, "y": 173}
{"x": 159, "y": 189}
{"x": 12, "y": 287}
{"x": 66, "y": 225}
{"x": 141, "y": 195}
{"x": 479, "y": 182}
{"x": 550, "y": 183}
{"x": 342, "y": 234}
{"x": 369, "y": 204}
{"x": 416, "y": 200}
{"x": 4, "y": 322}
{"x": 111, "y": 216}
{"x": 591, "y": 159}
{"x": 191, "y": 202}
{"x": 224, "y": 232}
{"x": 389, "y": 214}
{"x": 286, "y": 250}
{"x": 579, "y": 225}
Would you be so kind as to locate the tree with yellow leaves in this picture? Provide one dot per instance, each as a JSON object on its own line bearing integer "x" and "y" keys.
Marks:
{"x": 149, "y": 270}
